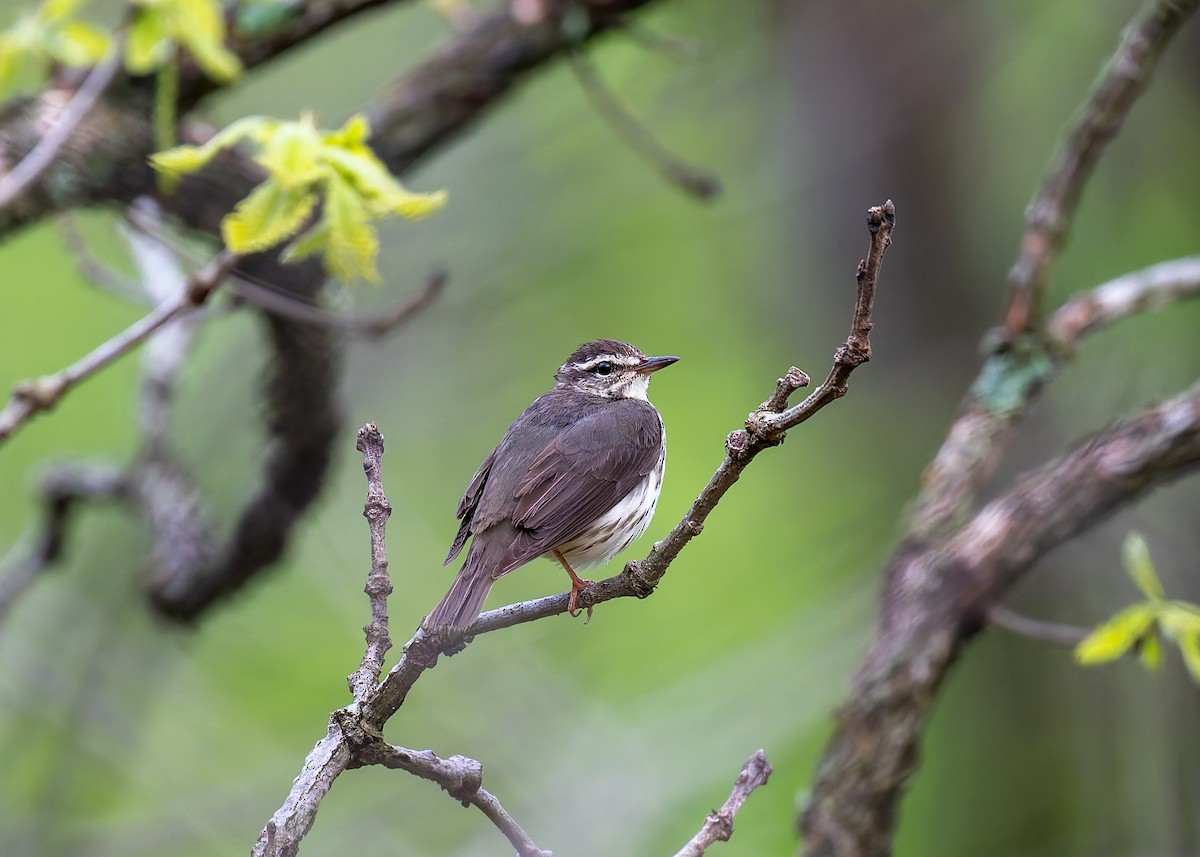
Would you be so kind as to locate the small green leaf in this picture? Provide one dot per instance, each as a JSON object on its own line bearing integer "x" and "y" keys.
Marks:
{"x": 1190, "y": 647}
{"x": 200, "y": 27}
{"x": 55, "y": 11}
{"x": 1179, "y": 619}
{"x": 78, "y": 44}
{"x": 1116, "y": 636}
{"x": 12, "y": 63}
{"x": 182, "y": 160}
{"x": 291, "y": 155}
{"x": 148, "y": 44}
{"x": 267, "y": 216}
{"x": 1137, "y": 562}
{"x": 1151, "y": 653}
{"x": 351, "y": 244}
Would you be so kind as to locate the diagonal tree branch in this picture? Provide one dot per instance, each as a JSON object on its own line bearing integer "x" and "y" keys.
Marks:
{"x": 1130, "y": 294}
{"x": 360, "y": 724}
{"x": 718, "y": 827}
{"x": 938, "y": 595}
{"x": 1049, "y": 215}
{"x": 1021, "y": 365}
{"x": 42, "y": 394}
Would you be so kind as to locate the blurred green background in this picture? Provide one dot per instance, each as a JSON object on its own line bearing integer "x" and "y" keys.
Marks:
{"x": 122, "y": 737}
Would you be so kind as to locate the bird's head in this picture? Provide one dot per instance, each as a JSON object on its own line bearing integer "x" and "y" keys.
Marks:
{"x": 606, "y": 367}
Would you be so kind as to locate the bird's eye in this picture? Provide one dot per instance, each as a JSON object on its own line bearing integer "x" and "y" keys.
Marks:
{"x": 604, "y": 368}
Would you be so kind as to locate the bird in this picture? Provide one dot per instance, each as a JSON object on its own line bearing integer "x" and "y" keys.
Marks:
{"x": 576, "y": 479}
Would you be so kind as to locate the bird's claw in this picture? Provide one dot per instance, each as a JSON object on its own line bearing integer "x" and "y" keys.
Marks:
{"x": 577, "y": 586}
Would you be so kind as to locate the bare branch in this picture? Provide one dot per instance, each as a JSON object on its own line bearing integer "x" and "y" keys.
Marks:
{"x": 690, "y": 179}
{"x": 379, "y": 584}
{"x": 90, "y": 266}
{"x": 938, "y": 594}
{"x": 34, "y": 165}
{"x": 1055, "y": 633}
{"x": 1139, "y": 291}
{"x": 361, "y": 723}
{"x": 718, "y": 827}
{"x": 640, "y": 577}
{"x": 1022, "y": 363}
{"x": 460, "y": 777}
{"x": 1049, "y": 215}
{"x": 374, "y": 325}
{"x": 44, "y": 393}
{"x": 61, "y": 492}
{"x": 281, "y": 835}
{"x": 854, "y": 352}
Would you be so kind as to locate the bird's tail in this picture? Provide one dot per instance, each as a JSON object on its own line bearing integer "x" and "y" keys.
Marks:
{"x": 464, "y": 602}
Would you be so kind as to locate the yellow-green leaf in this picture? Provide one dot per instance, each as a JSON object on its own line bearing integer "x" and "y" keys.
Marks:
{"x": 1190, "y": 647}
{"x": 1137, "y": 562}
{"x": 1116, "y": 636}
{"x": 1179, "y": 619}
{"x": 414, "y": 205}
{"x": 200, "y": 26}
{"x": 182, "y": 160}
{"x": 12, "y": 63}
{"x": 308, "y": 244}
{"x": 351, "y": 244}
{"x": 267, "y": 216}
{"x": 217, "y": 61}
{"x": 1151, "y": 652}
{"x": 290, "y": 155}
{"x": 352, "y": 135}
{"x": 148, "y": 44}
{"x": 53, "y": 11}
{"x": 78, "y": 44}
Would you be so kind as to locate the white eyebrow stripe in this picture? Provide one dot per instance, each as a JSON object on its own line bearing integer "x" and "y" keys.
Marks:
{"x": 588, "y": 365}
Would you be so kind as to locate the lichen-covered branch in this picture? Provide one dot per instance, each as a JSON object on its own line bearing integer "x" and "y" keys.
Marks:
{"x": 1023, "y": 360}
{"x": 938, "y": 595}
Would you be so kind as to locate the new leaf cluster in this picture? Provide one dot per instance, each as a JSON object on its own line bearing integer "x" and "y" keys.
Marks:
{"x": 306, "y": 165}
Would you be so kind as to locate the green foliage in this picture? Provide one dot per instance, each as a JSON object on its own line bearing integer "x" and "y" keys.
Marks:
{"x": 1140, "y": 626}
{"x": 50, "y": 34}
{"x": 304, "y": 165}
{"x": 161, "y": 26}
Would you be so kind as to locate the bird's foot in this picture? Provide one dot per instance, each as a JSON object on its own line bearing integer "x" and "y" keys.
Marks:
{"x": 578, "y": 584}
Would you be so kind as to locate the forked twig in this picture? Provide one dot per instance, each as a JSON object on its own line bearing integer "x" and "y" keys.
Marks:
{"x": 42, "y": 394}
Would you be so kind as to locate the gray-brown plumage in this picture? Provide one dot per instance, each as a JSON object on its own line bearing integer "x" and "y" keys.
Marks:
{"x": 576, "y": 478}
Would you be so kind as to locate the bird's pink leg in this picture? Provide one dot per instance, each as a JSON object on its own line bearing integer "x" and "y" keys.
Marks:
{"x": 577, "y": 584}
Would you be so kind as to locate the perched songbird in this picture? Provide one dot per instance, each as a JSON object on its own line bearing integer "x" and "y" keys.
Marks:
{"x": 575, "y": 478}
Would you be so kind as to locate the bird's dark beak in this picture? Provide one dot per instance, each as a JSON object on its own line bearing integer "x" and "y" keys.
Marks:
{"x": 653, "y": 364}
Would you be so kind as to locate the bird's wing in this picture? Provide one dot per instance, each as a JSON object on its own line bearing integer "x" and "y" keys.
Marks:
{"x": 581, "y": 474}
{"x": 466, "y": 506}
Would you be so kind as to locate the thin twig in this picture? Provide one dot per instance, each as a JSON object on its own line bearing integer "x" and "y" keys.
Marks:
{"x": 1049, "y": 215}
{"x": 379, "y": 584}
{"x": 670, "y": 45}
{"x": 460, "y": 777}
{"x": 372, "y": 325}
{"x": 1022, "y": 363}
{"x": 718, "y": 827}
{"x": 42, "y": 394}
{"x": 61, "y": 491}
{"x": 857, "y": 348}
{"x": 41, "y": 156}
{"x": 89, "y": 265}
{"x": 1055, "y": 633}
{"x": 360, "y": 724}
{"x": 640, "y": 577}
{"x": 692, "y": 180}
{"x": 1141, "y": 291}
